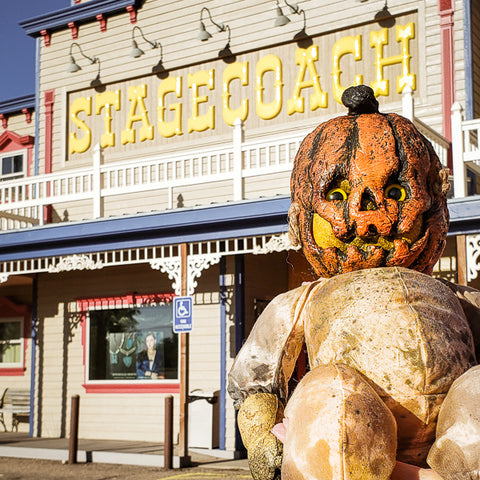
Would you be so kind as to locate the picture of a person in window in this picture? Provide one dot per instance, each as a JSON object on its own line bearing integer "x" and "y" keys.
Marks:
{"x": 150, "y": 360}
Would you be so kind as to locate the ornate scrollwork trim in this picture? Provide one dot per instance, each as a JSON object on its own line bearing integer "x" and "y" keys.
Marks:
{"x": 277, "y": 243}
{"x": 473, "y": 256}
{"x": 3, "y": 277}
{"x": 75, "y": 262}
{"x": 173, "y": 268}
{"x": 196, "y": 265}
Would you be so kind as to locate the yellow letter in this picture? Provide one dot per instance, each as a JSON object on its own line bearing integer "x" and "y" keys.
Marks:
{"x": 377, "y": 41}
{"x": 234, "y": 70}
{"x": 174, "y": 127}
{"x": 136, "y": 96}
{"x": 268, "y": 63}
{"x": 199, "y": 123}
{"x": 304, "y": 58}
{"x": 343, "y": 46}
{"x": 106, "y": 100}
{"x": 80, "y": 145}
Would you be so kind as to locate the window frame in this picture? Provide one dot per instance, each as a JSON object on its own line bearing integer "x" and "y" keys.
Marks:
{"x": 10, "y": 310}
{"x": 17, "y": 175}
{"x": 84, "y": 305}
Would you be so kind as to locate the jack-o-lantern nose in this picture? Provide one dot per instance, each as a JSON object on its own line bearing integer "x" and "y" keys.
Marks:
{"x": 369, "y": 215}
{"x": 367, "y": 201}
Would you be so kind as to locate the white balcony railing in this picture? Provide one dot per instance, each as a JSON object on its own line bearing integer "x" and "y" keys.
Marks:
{"x": 465, "y": 149}
{"x": 23, "y": 202}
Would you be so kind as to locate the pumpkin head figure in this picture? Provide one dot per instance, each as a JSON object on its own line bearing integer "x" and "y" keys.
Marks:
{"x": 368, "y": 191}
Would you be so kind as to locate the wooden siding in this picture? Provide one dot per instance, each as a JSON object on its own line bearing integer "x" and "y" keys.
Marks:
{"x": 475, "y": 33}
{"x": 253, "y": 36}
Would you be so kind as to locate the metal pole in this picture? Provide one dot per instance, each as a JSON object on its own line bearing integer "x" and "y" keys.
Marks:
{"x": 184, "y": 347}
{"x": 73, "y": 441}
{"x": 168, "y": 441}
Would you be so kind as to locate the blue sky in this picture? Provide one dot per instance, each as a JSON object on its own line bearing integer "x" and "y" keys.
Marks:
{"x": 17, "y": 50}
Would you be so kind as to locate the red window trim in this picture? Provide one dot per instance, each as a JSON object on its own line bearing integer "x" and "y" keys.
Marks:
{"x": 11, "y": 309}
{"x": 121, "y": 301}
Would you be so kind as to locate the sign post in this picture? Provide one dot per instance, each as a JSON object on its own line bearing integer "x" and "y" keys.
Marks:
{"x": 184, "y": 458}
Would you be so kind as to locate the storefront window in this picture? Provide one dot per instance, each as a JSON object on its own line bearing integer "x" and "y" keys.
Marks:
{"x": 11, "y": 347}
{"x": 132, "y": 344}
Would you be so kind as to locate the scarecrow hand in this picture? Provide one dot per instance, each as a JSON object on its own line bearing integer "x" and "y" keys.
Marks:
{"x": 256, "y": 418}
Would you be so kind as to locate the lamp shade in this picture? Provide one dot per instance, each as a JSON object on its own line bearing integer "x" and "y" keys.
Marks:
{"x": 73, "y": 67}
{"x": 136, "y": 52}
{"x": 203, "y": 35}
{"x": 281, "y": 18}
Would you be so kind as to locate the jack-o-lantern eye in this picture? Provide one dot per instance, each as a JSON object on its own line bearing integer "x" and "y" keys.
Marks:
{"x": 336, "y": 194}
{"x": 396, "y": 192}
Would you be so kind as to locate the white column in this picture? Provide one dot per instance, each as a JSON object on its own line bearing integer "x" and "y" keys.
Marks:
{"x": 459, "y": 173}
{"x": 237, "y": 160}
{"x": 407, "y": 103}
{"x": 96, "y": 187}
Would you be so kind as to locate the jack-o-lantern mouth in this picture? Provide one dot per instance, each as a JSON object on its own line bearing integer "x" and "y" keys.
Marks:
{"x": 325, "y": 238}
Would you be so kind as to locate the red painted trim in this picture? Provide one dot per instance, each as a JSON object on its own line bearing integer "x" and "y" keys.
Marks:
{"x": 103, "y": 22}
{"x": 133, "y": 13}
{"x": 49, "y": 101}
{"x": 10, "y": 141}
{"x": 446, "y": 11}
{"x": 134, "y": 388}
{"x": 46, "y": 37}
{"x": 28, "y": 114}
{"x": 12, "y": 372}
{"x": 4, "y": 119}
{"x": 74, "y": 30}
{"x": 121, "y": 301}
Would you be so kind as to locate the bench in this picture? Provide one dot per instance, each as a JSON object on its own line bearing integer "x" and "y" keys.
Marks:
{"x": 15, "y": 402}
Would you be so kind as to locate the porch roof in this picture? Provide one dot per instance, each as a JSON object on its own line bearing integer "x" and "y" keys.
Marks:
{"x": 200, "y": 224}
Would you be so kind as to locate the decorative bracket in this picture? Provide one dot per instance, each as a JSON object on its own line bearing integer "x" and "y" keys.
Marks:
{"x": 28, "y": 114}
{"x": 46, "y": 37}
{"x": 4, "y": 119}
{"x": 3, "y": 277}
{"x": 75, "y": 262}
{"x": 103, "y": 22}
{"x": 131, "y": 9}
{"x": 473, "y": 256}
{"x": 74, "y": 29}
{"x": 173, "y": 268}
{"x": 195, "y": 265}
{"x": 278, "y": 243}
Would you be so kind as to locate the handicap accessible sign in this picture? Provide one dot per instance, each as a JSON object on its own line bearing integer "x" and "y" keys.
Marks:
{"x": 182, "y": 314}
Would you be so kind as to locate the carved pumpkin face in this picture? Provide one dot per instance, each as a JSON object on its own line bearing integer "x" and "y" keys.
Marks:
{"x": 367, "y": 191}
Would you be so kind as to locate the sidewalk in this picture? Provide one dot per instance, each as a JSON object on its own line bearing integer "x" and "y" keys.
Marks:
{"x": 20, "y": 445}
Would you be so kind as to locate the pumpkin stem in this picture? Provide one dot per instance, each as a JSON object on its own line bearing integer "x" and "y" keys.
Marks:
{"x": 360, "y": 99}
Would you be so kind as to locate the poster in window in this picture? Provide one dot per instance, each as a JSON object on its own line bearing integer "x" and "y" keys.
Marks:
{"x": 150, "y": 358}
{"x": 122, "y": 349}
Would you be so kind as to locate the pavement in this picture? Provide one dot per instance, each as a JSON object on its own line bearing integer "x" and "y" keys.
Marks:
{"x": 20, "y": 445}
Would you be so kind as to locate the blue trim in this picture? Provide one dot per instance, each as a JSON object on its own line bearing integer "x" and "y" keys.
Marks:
{"x": 239, "y": 325}
{"x": 166, "y": 228}
{"x": 16, "y": 105}
{"x": 81, "y": 13}
{"x": 222, "y": 420}
{"x": 248, "y": 218}
{"x": 36, "y": 155}
{"x": 467, "y": 35}
{"x": 464, "y": 216}
{"x": 34, "y": 327}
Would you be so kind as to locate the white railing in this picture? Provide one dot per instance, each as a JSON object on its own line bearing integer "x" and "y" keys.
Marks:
{"x": 23, "y": 202}
{"x": 465, "y": 149}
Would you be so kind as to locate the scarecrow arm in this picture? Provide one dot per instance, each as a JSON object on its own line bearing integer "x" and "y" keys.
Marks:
{"x": 258, "y": 381}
